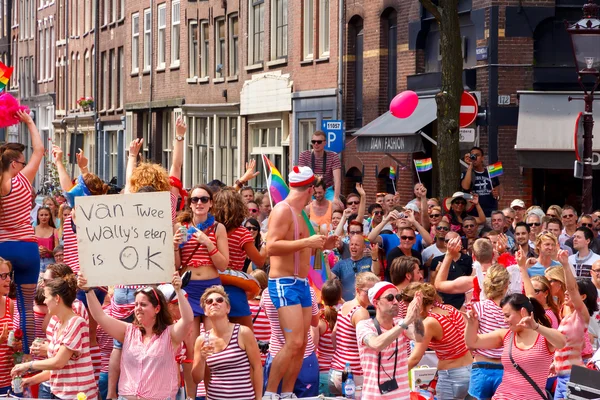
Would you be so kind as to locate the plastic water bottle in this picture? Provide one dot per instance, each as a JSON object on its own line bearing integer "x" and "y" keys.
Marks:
{"x": 350, "y": 387}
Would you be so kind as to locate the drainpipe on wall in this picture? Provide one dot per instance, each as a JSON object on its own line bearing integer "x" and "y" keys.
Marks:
{"x": 340, "y": 82}
{"x": 151, "y": 84}
{"x": 96, "y": 89}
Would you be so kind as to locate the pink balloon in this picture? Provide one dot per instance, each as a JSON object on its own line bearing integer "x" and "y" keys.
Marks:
{"x": 404, "y": 104}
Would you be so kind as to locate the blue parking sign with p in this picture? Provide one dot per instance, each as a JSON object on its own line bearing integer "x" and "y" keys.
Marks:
{"x": 334, "y": 130}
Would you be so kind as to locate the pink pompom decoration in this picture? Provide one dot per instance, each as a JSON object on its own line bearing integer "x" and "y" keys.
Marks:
{"x": 404, "y": 104}
{"x": 8, "y": 110}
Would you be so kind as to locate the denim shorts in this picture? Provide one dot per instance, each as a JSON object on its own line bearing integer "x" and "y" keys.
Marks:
{"x": 290, "y": 291}
{"x": 453, "y": 384}
{"x": 485, "y": 381}
{"x": 561, "y": 386}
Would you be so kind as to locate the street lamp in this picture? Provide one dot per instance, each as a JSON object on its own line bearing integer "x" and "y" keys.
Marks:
{"x": 585, "y": 39}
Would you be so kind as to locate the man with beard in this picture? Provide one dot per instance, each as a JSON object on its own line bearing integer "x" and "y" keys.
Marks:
{"x": 347, "y": 269}
{"x": 522, "y": 231}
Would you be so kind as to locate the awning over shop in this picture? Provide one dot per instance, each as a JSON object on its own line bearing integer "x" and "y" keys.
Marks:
{"x": 546, "y": 129}
{"x": 388, "y": 134}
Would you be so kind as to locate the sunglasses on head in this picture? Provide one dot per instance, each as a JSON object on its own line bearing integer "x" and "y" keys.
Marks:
{"x": 435, "y": 215}
{"x": 316, "y": 141}
{"x": 407, "y": 237}
{"x": 390, "y": 297}
{"x": 219, "y": 300}
{"x": 252, "y": 228}
{"x": 530, "y": 224}
{"x": 442, "y": 228}
{"x": 149, "y": 290}
{"x": 202, "y": 199}
{"x": 253, "y": 210}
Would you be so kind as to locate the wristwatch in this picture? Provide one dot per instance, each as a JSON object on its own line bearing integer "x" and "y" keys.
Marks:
{"x": 402, "y": 325}
{"x": 179, "y": 138}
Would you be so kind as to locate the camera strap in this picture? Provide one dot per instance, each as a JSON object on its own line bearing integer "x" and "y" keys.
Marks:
{"x": 378, "y": 327}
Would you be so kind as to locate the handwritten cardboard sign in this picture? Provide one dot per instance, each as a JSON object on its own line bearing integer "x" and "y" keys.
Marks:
{"x": 125, "y": 239}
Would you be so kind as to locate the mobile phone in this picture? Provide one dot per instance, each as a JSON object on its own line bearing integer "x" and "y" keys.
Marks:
{"x": 468, "y": 196}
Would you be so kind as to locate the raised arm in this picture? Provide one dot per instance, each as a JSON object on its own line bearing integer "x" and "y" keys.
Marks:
{"x": 63, "y": 175}
{"x": 374, "y": 234}
{"x": 522, "y": 262}
{"x": 424, "y": 233}
{"x": 183, "y": 327}
{"x": 33, "y": 165}
{"x": 339, "y": 230}
{"x": 572, "y": 287}
{"x": 280, "y": 222}
{"x": 492, "y": 340}
{"x": 177, "y": 163}
{"x": 134, "y": 149}
{"x": 459, "y": 285}
{"x": 363, "y": 203}
{"x": 421, "y": 194}
{"x": 480, "y": 218}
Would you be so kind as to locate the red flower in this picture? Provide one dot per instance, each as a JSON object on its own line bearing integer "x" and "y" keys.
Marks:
{"x": 18, "y": 334}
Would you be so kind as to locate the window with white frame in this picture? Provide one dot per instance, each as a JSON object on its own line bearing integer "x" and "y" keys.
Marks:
{"x": 93, "y": 18}
{"x": 205, "y": 46}
{"x": 307, "y": 28}
{"x": 113, "y": 154}
{"x": 147, "y": 39}
{"x": 162, "y": 34}
{"x": 193, "y": 55}
{"x": 256, "y": 31}
{"x": 279, "y": 36}
{"x": 323, "y": 28}
{"x": 223, "y": 149}
{"x": 306, "y": 128}
{"x": 146, "y": 135}
{"x": 114, "y": 80}
{"x": 106, "y": 12}
{"x": 233, "y": 148}
{"x": 266, "y": 139}
{"x": 105, "y": 84}
{"x": 49, "y": 53}
{"x": 202, "y": 139}
{"x": 175, "y": 31}
{"x": 233, "y": 45}
{"x": 135, "y": 41}
{"x": 121, "y": 9}
{"x": 167, "y": 139}
{"x": 120, "y": 78}
{"x": 114, "y": 10}
{"x": 111, "y": 79}
{"x": 42, "y": 53}
{"x": 86, "y": 72}
{"x": 86, "y": 9}
{"x": 219, "y": 47}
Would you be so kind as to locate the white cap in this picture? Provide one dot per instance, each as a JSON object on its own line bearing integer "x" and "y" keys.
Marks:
{"x": 168, "y": 290}
{"x": 517, "y": 203}
{"x": 377, "y": 290}
{"x": 301, "y": 176}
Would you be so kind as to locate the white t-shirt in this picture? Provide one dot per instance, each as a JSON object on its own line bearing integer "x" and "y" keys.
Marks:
{"x": 431, "y": 251}
{"x": 581, "y": 266}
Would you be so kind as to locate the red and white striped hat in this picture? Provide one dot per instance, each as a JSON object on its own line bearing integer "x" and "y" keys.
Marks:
{"x": 301, "y": 176}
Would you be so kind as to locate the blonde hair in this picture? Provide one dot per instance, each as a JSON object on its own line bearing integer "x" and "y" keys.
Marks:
{"x": 496, "y": 281}
{"x": 437, "y": 208}
{"x": 430, "y": 295}
{"x": 149, "y": 174}
{"x": 557, "y": 209}
{"x": 544, "y": 236}
{"x": 483, "y": 250}
{"x": 556, "y": 273}
{"x": 261, "y": 277}
{"x": 365, "y": 278}
{"x": 542, "y": 280}
{"x": 218, "y": 289}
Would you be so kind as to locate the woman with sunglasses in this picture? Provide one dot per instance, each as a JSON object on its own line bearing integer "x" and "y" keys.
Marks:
{"x": 69, "y": 365}
{"x": 46, "y": 235}
{"x": 149, "y": 369}
{"x": 554, "y": 211}
{"x": 558, "y": 287}
{"x": 457, "y": 208}
{"x": 17, "y": 238}
{"x": 253, "y": 227}
{"x": 343, "y": 335}
{"x": 231, "y": 211}
{"x": 435, "y": 216}
{"x": 229, "y": 351}
{"x": 7, "y": 308}
{"x": 444, "y": 333}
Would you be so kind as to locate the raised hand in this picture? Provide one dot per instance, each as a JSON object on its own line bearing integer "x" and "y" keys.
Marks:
{"x": 528, "y": 322}
{"x": 82, "y": 161}
{"x": 176, "y": 281}
{"x": 180, "y": 126}
{"x": 414, "y": 309}
{"x": 360, "y": 190}
{"x": 135, "y": 146}
{"x": 24, "y": 117}
{"x": 57, "y": 154}
{"x": 420, "y": 191}
{"x": 317, "y": 241}
{"x": 563, "y": 258}
{"x": 250, "y": 173}
{"x": 454, "y": 247}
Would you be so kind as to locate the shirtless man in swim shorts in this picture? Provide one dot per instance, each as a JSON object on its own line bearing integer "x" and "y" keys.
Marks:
{"x": 290, "y": 248}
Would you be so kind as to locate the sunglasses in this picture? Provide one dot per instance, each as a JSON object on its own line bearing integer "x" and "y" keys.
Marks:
{"x": 435, "y": 215}
{"x": 530, "y": 224}
{"x": 316, "y": 141}
{"x": 407, "y": 237}
{"x": 588, "y": 225}
{"x": 21, "y": 162}
{"x": 468, "y": 226}
{"x": 460, "y": 203}
{"x": 442, "y": 228}
{"x": 219, "y": 300}
{"x": 252, "y": 228}
{"x": 447, "y": 240}
{"x": 253, "y": 210}
{"x": 4, "y": 276}
{"x": 377, "y": 212}
{"x": 203, "y": 199}
{"x": 352, "y": 203}
{"x": 568, "y": 215}
{"x": 538, "y": 291}
{"x": 350, "y": 233}
{"x": 390, "y": 297}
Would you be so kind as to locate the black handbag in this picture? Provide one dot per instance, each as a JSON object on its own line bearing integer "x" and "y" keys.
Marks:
{"x": 544, "y": 394}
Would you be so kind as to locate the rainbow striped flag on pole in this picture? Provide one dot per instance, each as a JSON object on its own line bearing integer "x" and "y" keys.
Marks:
{"x": 392, "y": 173}
{"x": 5, "y": 73}
{"x": 495, "y": 170}
{"x": 423, "y": 165}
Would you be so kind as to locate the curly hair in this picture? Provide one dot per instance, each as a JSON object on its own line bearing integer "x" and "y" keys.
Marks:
{"x": 496, "y": 281}
{"x": 149, "y": 174}
{"x": 214, "y": 289}
{"x": 430, "y": 295}
{"x": 95, "y": 185}
{"x": 229, "y": 208}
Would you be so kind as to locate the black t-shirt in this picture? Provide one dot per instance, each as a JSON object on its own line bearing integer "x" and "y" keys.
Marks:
{"x": 480, "y": 184}
{"x": 461, "y": 267}
{"x": 395, "y": 253}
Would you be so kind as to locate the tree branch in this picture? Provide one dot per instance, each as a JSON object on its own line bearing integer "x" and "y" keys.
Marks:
{"x": 432, "y": 8}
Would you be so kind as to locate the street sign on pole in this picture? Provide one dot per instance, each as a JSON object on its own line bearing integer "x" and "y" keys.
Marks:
{"x": 468, "y": 110}
{"x": 334, "y": 130}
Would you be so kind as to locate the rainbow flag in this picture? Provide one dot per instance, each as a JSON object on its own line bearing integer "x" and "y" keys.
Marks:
{"x": 392, "y": 173}
{"x": 423, "y": 165}
{"x": 279, "y": 191}
{"x": 5, "y": 73}
{"x": 495, "y": 170}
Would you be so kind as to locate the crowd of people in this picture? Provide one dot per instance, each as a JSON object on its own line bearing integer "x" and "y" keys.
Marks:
{"x": 505, "y": 301}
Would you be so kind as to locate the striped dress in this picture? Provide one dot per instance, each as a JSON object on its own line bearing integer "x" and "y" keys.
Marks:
{"x": 15, "y": 224}
{"x": 6, "y": 353}
{"x": 346, "y": 347}
{"x": 261, "y": 326}
{"x": 230, "y": 372}
{"x": 325, "y": 350}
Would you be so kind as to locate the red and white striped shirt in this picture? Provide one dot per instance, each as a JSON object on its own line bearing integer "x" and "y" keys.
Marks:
{"x": 325, "y": 350}
{"x": 78, "y": 308}
{"x": 452, "y": 345}
{"x": 277, "y": 340}
{"x": 6, "y": 353}
{"x": 200, "y": 256}
{"x": 574, "y": 329}
{"x": 149, "y": 371}
{"x": 491, "y": 318}
{"x": 369, "y": 361}
{"x": 106, "y": 346}
{"x": 261, "y": 326}
{"x": 346, "y": 347}
{"x": 552, "y": 317}
{"x": 236, "y": 240}
{"x": 15, "y": 224}
{"x": 535, "y": 361}
{"x": 78, "y": 374}
{"x": 70, "y": 245}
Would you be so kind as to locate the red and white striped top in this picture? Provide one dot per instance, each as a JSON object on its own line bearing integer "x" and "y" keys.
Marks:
{"x": 173, "y": 207}
{"x": 148, "y": 371}
{"x": 38, "y": 322}
{"x": 70, "y": 245}
{"x": 78, "y": 308}
{"x": 200, "y": 256}
{"x": 346, "y": 347}
{"x": 277, "y": 340}
{"x": 230, "y": 372}
{"x": 6, "y": 353}
{"x": 78, "y": 374}
{"x": 369, "y": 361}
{"x": 325, "y": 350}
{"x": 491, "y": 318}
{"x": 553, "y": 318}
{"x": 105, "y": 342}
{"x": 261, "y": 326}
{"x": 574, "y": 329}
{"x": 15, "y": 224}
{"x": 452, "y": 345}
{"x": 236, "y": 240}
{"x": 96, "y": 361}
{"x": 535, "y": 361}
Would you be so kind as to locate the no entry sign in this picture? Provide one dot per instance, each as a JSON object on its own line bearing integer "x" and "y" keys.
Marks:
{"x": 468, "y": 109}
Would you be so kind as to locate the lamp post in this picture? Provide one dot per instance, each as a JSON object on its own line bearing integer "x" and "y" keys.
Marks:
{"x": 585, "y": 40}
